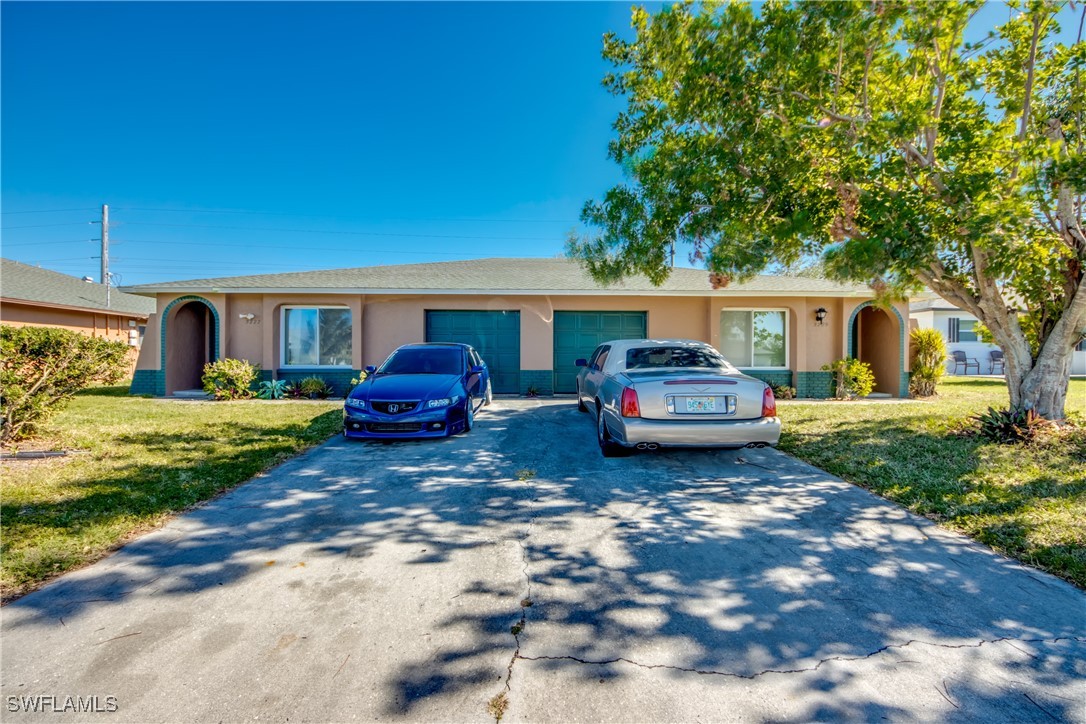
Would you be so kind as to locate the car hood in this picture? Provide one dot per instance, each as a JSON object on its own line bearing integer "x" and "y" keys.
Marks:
{"x": 406, "y": 387}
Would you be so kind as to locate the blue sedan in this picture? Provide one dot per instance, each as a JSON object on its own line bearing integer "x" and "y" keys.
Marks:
{"x": 421, "y": 390}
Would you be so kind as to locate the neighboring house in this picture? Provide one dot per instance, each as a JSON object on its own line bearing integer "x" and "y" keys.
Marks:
{"x": 956, "y": 326}
{"x": 32, "y": 296}
{"x": 529, "y": 318}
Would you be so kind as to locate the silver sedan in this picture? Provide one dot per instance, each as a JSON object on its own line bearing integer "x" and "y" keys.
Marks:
{"x": 649, "y": 393}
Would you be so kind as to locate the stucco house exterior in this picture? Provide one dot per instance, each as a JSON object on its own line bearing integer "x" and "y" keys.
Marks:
{"x": 529, "y": 318}
{"x": 956, "y": 326}
{"x": 31, "y": 296}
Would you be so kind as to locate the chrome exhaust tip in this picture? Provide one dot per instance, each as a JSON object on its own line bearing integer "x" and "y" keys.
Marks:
{"x": 642, "y": 446}
{"x": 652, "y": 446}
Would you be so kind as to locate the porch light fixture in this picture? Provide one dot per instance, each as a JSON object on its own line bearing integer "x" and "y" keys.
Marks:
{"x": 248, "y": 316}
{"x": 820, "y": 316}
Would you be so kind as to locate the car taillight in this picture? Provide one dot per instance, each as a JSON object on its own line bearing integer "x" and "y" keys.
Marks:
{"x": 630, "y": 406}
{"x": 769, "y": 403}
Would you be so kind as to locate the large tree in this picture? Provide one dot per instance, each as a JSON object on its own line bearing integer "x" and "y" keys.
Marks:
{"x": 872, "y": 134}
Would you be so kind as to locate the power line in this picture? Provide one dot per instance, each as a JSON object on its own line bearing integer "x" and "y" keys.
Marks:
{"x": 50, "y": 243}
{"x": 325, "y": 216}
{"x": 343, "y": 233}
{"x": 41, "y": 226}
{"x": 43, "y": 211}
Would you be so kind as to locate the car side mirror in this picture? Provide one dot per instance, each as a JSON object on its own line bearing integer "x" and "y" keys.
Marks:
{"x": 370, "y": 369}
{"x": 581, "y": 363}
{"x": 476, "y": 370}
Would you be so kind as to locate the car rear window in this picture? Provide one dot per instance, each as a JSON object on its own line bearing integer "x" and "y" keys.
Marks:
{"x": 641, "y": 358}
{"x": 420, "y": 361}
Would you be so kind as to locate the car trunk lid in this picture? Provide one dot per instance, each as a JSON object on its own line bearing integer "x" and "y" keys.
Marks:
{"x": 696, "y": 394}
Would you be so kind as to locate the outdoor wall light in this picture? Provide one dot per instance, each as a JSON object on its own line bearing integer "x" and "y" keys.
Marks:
{"x": 250, "y": 316}
{"x": 820, "y": 316}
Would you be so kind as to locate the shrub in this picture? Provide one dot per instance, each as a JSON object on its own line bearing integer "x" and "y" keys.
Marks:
{"x": 854, "y": 378}
{"x": 929, "y": 362}
{"x": 314, "y": 387}
{"x": 355, "y": 382}
{"x": 783, "y": 392}
{"x": 272, "y": 389}
{"x": 41, "y": 368}
{"x": 229, "y": 379}
{"x": 1011, "y": 425}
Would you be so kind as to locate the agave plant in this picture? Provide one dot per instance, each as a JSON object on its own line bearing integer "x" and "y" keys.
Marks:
{"x": 272, "y": 389}
{"x": 1010, "y": 425}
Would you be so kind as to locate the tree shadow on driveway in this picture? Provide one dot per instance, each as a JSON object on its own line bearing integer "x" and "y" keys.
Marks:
{"x": 419, "y": 579}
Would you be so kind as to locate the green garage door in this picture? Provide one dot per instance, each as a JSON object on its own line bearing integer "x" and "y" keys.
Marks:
{"x": 494, "y": 335}
{"x": 577, "y": 334}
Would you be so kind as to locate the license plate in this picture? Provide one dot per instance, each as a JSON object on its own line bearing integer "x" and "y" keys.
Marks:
{"x": 701, "y": 404}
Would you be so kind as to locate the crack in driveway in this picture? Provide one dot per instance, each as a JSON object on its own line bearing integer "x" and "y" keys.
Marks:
{"x": 711, "y": 672}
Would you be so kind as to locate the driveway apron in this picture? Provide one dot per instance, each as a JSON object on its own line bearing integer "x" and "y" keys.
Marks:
{"x": 515, "y": 572}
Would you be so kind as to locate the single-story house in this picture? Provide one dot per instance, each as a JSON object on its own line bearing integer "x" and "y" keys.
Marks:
{"x": 32, "y": 296}
{"x": 529, "y": 318}
{"x": 956, "y": 326}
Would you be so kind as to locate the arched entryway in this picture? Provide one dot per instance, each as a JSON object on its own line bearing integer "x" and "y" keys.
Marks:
{"x": 876, "y": 337}
{"x": 190, "y": 341}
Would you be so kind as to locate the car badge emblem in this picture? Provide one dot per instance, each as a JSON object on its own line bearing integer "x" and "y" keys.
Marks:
{"x": 701, "y": 389}
{"x": 393, "y": 408}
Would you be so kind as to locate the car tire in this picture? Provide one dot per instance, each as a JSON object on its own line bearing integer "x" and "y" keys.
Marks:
{"x": 581, "y": 407}
{"x": 608, "y": 446}
{"x": 488, "y": 397}
{"x": 469, "y": 414}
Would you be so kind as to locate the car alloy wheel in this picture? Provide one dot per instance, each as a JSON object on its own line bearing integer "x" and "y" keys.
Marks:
{"x": 469, "y": 414}
{"x": 608, "y": 447}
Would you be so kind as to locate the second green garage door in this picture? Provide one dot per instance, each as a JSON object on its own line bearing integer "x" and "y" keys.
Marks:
{"x": 494, "y": 335}
{"x": 577, "y": 334}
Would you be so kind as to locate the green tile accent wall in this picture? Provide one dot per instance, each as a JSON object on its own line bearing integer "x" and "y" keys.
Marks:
{"x": 148, "y": 382}
{"x": 340, "y": 380}
{"x": 541, "y": 380}
{"x": 771, "y": 377}
{"x": 815, "y": 385}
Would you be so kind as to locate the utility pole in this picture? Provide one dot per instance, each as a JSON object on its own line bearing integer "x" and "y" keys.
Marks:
{"x": 105, "y": 250}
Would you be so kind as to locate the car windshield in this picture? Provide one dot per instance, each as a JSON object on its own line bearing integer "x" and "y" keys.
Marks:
{"x": 423, "y": 361}
{"x": 641, "y": 358}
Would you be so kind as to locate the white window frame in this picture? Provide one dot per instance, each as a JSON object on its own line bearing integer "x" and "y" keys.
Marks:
{"x": 787, "y": 335}
{"x": 283, "y": 337}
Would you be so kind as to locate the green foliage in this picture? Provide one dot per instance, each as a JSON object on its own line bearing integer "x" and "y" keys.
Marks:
{"x": 314, "y": 387}
{"x": 355, "y": 382}
{"x": 272, "y": 389}
{"x": 854, "y": 378}
{"x": 230, "y": 379}
{"x": 783, "y": 392}
{"x": 1010, "y": 425}
{"x": 928, "y": 363}
{"x": 869, "y": 136}
{"x": 41, "y": 368}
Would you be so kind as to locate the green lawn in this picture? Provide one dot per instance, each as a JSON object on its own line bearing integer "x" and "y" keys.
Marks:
{"x": 138, "y": 462}
{"x": 1028, "y": 502}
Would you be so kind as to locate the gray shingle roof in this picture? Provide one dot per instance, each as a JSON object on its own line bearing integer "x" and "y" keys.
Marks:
{"x": 495, "y": 276}
{"x": 20, "y": 281}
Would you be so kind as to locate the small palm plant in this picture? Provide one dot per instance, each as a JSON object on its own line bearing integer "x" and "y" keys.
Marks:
{"x": 929, "y": 361}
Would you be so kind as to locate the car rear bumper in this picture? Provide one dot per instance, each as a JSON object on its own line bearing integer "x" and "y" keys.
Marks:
{"x": 369, "y": 426}
{"x": 632, "y": 431}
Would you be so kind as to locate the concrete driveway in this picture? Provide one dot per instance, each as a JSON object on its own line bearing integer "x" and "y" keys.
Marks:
{"x": 517, "y": 567}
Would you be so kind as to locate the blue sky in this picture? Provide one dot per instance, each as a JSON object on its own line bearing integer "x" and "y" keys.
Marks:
{"x": 341, "y": 134}
{"x": 244, "y": 138}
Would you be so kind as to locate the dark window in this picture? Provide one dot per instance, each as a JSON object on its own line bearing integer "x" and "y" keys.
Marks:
{"x": 424, "y": 361}
{"x": 605, "y": 352}
{"x": 649, "y": 357}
